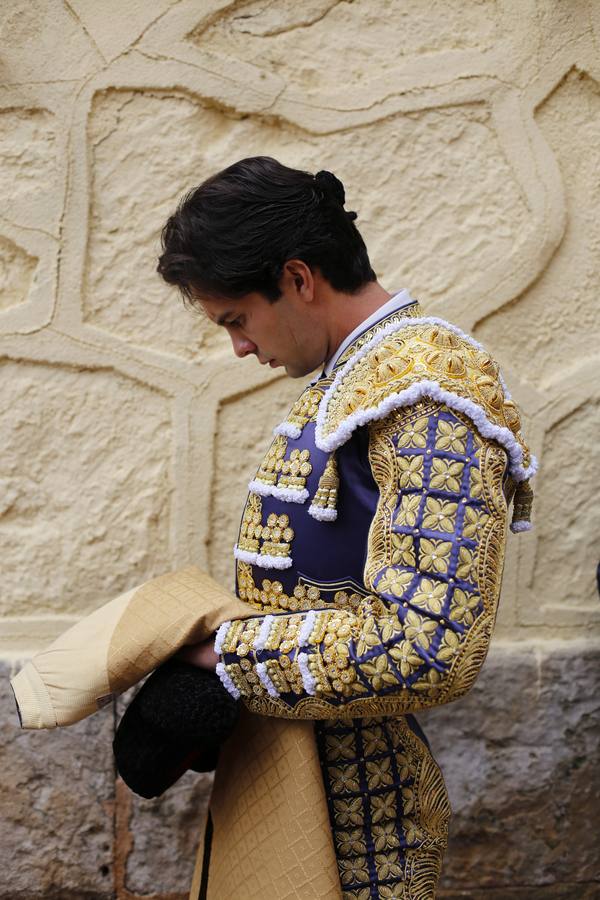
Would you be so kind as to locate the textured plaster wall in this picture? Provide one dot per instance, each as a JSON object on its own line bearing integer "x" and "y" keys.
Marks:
{"x": 468, "y": 137}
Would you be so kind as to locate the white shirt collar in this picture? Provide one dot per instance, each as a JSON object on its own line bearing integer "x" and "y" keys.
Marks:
{"x": 400, "y": 299}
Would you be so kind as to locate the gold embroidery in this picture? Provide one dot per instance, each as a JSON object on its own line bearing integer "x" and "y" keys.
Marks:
{"x": 479, "y": 563}
{"x": 306, "y": 406}
{"x": 446, "y": 475}
{"x": 273, "y": 463}
{"x": 418, "y": 630}
{"x": 329, "y": 482}
{"x": 251, "y": 527}
{"x": 411, "y": 311}
{"x": 523, "y": 501}
{"x": 406, "y": 798}
{"x": 440, "y": 515}
{"x": 450, "y": 437}
{"x": 403, "y": 550}
{"x": 410, "y": 472}
{"x": 417, "y": 353}
{"x": 467, "y": 565}
{"x": 272, "y": 539}
{"x": 415, "y": 434}
{"x": 430, "y": 595}
{"x": 409, "y": 510}
{"x": 295, "y": 470}
{"x": 476, "y": 484}
{"x": 271, "y": 596}
{"x": 474, "y": 523}
{"x": 462, "y": 606}
{"x": 435, "y": 555}
{"x": 395, "y": 581}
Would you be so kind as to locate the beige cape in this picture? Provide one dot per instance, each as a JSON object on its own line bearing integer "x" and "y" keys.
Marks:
{"x": 271, "y": 827}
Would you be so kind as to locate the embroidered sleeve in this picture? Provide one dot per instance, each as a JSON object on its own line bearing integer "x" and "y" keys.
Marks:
{"x": 434, "y": 568}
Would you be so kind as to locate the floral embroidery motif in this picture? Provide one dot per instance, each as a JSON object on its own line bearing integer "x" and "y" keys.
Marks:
{"x": 419, "y": 630}
{"x": 430, "y": 595}
{"x": 463, "y": 606}
{"x": 415, "y": 434}
{"x": 395, "y": 582}
{"x": 446, "y": 475}
{"x": 402, "y": 550}
{"x": 377, "y": 773}
{"x": 408, "y": 510}
{"x": 406, "y": 658}
{"x": 467, "y": 564}
{"x": 474, "y": 522}
{"x": 475, "y": 483}
{"x": 440, "y": 515}
{"x": 410, "y": 472}
{"x": 450, "y": 437}
{"x": 435, "y": 555}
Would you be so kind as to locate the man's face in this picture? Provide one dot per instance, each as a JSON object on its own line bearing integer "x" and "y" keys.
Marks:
{"x": 284, "y": 333}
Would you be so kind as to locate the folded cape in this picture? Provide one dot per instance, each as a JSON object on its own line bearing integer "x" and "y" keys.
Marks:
{"x": 119, "y": 644}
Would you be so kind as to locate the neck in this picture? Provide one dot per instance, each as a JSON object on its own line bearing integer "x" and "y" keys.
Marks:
{"x": 347, "y": 311}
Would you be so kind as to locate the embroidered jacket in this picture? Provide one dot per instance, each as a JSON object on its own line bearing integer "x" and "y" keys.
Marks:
{"x": 372, "y": 541}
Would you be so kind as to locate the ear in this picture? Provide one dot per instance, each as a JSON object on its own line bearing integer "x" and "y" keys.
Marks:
{"x": 299, "y": 279}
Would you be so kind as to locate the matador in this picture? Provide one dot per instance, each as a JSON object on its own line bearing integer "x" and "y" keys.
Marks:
{"x": 368, "y": 561}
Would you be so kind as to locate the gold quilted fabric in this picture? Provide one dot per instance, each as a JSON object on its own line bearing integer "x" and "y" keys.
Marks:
{"x": 119, "y": 643}
{"x": 183, "y": 607}
{"x": 272, "y": 837}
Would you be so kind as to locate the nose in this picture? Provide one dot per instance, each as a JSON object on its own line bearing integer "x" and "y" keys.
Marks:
{"x": 242, "y": 346}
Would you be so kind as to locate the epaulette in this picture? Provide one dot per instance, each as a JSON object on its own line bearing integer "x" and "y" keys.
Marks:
{"x": 421, "y": 358}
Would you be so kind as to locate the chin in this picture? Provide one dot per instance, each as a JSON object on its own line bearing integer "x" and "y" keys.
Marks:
{"x": 295, "y": 371}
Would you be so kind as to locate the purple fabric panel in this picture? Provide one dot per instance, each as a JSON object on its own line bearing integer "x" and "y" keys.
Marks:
{"x": 328, "y": 552}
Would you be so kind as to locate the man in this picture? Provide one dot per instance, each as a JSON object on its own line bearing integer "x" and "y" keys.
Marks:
{"x": 370, "y": 551}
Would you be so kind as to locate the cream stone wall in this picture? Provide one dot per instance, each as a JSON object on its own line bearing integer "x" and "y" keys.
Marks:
{"x": 468, "y": 137}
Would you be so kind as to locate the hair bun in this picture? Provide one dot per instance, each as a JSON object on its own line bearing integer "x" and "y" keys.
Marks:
{"x": 331, "y": 186}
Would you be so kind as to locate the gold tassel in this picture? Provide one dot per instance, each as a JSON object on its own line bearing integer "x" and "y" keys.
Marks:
{"x": 324, "y": 503}
{"x": 522, "y": 503}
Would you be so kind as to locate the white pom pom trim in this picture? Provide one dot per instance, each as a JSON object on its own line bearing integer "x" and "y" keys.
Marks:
{"x": 263, "y": 560}
{"x": 288, "y": 495}
{"x": 226, "y": 681}
{"x": 265, "y": 680}
{"x": 307, "y": 628}
{"x": 308, "y": 681}
{"x": 287, "y": 429}
{"x": 220, "y": 636}
{"x": 517, "y": 527}
{"x": 262, "y": 637}
{"x": 322, "y": 514}
{"x": 408, "y": 397}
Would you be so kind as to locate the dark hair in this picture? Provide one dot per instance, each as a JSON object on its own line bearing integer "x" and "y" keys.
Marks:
{"x": 232, "y": 235}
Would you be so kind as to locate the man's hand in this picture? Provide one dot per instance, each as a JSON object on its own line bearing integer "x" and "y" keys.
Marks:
{"x": 202, "y": 655}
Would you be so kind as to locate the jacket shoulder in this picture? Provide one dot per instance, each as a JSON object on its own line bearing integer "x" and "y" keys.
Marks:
{"x": 423, "y": 358}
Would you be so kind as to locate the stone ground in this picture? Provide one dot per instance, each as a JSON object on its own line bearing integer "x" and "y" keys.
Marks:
{"x": 519, "y": 755}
